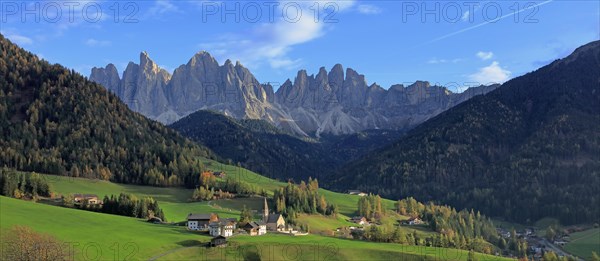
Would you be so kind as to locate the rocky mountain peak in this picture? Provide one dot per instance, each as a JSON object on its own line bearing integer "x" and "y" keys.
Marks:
{"x": 420, "y": 85}
{"x": 397, "y": 87}
{"x": 337, "y": 69}
{"x": 336, "y": 102}
{"x": 107, "y": 77}
{"x": 202, "y": 58}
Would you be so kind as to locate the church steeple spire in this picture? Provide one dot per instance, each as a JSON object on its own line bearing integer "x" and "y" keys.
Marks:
{"x": 266, "y": 212}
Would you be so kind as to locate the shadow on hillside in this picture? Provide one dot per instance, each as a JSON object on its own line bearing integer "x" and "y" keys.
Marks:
{"x": 190, "y": 243}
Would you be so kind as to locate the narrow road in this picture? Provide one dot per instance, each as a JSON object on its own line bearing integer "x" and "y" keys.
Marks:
{"x": 557, "y": 249}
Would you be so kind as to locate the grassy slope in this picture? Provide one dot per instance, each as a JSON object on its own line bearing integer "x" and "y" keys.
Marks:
{"x": 583, "y": 243}
{"x": 86, "y": 228}
{"x": 148, "y": 240}
{"x": 346, "y": 203}
{"x": 313, "y": 247}
{"x": 320, "y": 224}
{"x": 174, "y": 200}
{"x": 175, "y": 203}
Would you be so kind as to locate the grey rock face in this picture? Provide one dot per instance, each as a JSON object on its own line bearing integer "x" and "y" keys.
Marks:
{"x": 108, "y": 77}
{"x": 142, "y": 86}
{"x": 331, "y": 102}
{"x": 339, "y": 103}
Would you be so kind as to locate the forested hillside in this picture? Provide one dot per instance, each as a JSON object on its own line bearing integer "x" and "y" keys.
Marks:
{"x": 256, "y": 145}
{"x": 529, "y": 149}
{"x": 56, "y": 121}
{"x": 262, "y": 147}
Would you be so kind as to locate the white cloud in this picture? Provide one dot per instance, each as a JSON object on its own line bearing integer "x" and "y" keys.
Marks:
{"x": 368, "y": 9}
{"x": 270, "y": 43}
{"x": 436, "y": 61}
{"x": 97, "y": 43}
{"x": 439, "y": 61}
{"x": 485, "y": 55}
{"x": 18, "y": 39}
{"x": 490, "y": 74}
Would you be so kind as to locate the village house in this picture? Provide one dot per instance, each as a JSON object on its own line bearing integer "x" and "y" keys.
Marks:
{"x": 413, "y": 221}
{"x": 90, "y": 199}
{"x": 274, "y": 222}
{"x": 223, "y": 228}
{"x": 201, "y": 221}
{"x": 560, "y": 243}
{"x": 219, "y": 241}
{"x": 529, "y": 231}
{"x": 357, "y": 192}
{"x": 503, "y": 233}
{"x": 537, "y": 249}
{"x": 359, "y": 220}
{"x": 255, "y": 228}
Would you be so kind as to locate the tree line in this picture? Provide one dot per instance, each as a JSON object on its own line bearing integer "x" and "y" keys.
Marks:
{"x": 124, "y": 205}
{"x": 463, "y": 229}
{"x": 303, "y": 198}
{"x": 370, "y": 207}
{"x": 209, "y": 187}
{"x": 23, "y": 185}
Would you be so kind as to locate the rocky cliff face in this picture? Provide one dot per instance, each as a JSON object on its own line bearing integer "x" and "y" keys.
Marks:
{"x": 142, "y": 88}
{"x": 339, "y": 104}
{"x": 331, "y": 102}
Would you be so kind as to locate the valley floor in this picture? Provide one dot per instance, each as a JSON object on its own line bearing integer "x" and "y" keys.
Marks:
{"x": 89, "y": 234}
{"x": 92, "y": 235}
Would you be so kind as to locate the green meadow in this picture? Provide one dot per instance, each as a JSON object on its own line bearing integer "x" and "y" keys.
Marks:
{"x": 176, "y": 205}
{"x": 92, "y": 235}
{"x": 314, "y": 247}
{"x": 583, "y": 243}
{"x": 175, "y": 201}
{"x": 116, "y": 235}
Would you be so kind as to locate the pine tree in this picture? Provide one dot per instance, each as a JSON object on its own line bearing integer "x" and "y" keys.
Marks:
{"x": 245, "y": 216}
{"x": 471, "y": 256}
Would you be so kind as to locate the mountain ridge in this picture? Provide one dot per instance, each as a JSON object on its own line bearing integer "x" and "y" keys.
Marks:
{"x": 334, "y": 102}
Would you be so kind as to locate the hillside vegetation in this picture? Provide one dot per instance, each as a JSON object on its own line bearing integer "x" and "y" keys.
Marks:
{"x": 261, "y": 147}
{"x": 56, "y": 121}
{"x": 525, "y": 151}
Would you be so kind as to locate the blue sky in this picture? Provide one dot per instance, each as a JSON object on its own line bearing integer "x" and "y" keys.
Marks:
{"x": 454, "y": 44}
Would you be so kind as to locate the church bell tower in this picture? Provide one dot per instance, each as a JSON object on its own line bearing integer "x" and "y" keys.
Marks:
{"x": 266, "y": 212}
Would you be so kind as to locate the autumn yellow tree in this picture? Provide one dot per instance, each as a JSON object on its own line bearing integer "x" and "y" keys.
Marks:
{"x": 22, "y": 243}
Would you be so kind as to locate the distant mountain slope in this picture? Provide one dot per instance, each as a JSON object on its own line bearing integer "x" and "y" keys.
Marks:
{"x": 331, "y": 102}
{"x": 56, "y": 121}
{"x": 261, "y": 147}
{"x": 255, "y": 145}
{"x": 527, "y": 150}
